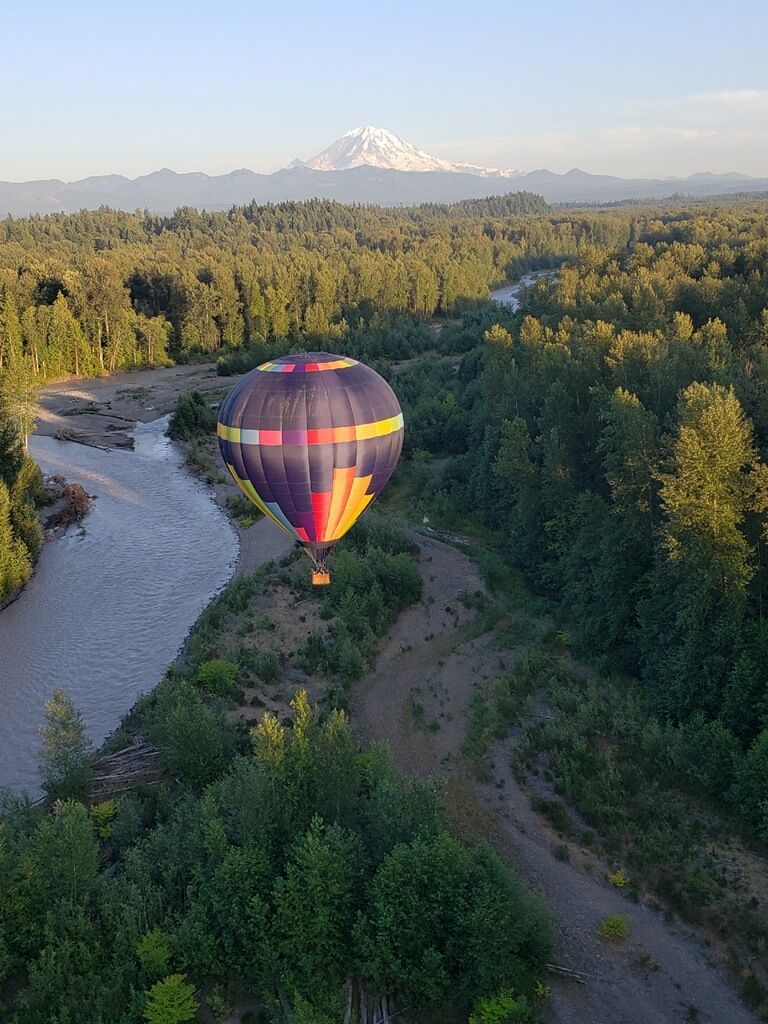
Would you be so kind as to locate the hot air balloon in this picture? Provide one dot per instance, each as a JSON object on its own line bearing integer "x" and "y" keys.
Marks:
{"x": 311, "y": 439}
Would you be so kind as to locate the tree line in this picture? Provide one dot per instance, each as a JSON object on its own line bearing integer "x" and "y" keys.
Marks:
{"x": 95, "y": 292}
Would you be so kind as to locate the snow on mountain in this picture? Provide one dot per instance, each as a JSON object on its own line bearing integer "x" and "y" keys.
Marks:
{"x": 377, "y": 147}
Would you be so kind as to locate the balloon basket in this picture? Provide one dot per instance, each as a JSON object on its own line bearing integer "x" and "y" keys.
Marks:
{"x": 321, "y": 578}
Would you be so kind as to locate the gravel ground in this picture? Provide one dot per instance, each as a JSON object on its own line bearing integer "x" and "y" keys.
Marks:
{"x": 662, "y": 973}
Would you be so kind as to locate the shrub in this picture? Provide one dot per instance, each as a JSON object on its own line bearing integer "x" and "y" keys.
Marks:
{"x": 614, "y": 928}
{"x": 505, "y": 1008}
{"x": 619, "y": 878}
{"x": 241, "y": 507}
{"x": 191, "y": 417}
{"x": 103, "y": 815}
{"x": 555, "y": 812}
{"x": 267, "y": 667}
{"x": 217, "y": 677}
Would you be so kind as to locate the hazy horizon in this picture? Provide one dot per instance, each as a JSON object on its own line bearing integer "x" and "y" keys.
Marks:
{"x": 676, "y": 92}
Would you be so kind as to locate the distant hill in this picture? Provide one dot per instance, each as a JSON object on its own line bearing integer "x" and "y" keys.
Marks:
{"x": 367, "y": 165}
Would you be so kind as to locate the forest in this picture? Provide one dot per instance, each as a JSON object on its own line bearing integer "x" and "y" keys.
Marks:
{"x": 90, "y": 293}
{"x": 610, "y": 440}
{"x": 614, "y": 439}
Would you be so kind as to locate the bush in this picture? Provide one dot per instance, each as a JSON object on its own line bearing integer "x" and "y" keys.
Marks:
{"x": 103, "y": 815}
{"x": 267, "y": 667}
{"x": 614, "y": 928}
{"x": 619, "y": 878}
{"x": 555, "y": 812}
{"x": 505, "y": 1008}
{"x": 241, "y": 507}
{"x": 192, "y": 417}
{"x": 217, "y": 678}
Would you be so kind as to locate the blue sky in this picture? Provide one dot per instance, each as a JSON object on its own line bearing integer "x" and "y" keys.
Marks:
{"x": 658, "y": 88}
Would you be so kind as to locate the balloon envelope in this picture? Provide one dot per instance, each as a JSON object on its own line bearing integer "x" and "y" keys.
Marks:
{"x": 311, "y": 439}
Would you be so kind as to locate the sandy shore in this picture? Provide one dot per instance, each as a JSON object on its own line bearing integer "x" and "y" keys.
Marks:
{"x": 104, "y": 410}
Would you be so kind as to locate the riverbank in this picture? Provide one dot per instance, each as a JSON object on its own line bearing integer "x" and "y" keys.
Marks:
{"x": 433, "y": 699}
{"x": 110, "y": 605}
{"x": 103, "y": 411}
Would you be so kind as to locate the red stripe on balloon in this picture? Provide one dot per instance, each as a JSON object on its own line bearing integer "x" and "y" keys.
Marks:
{"x": 270, "y": 437}
{"x": 321, "y": 506}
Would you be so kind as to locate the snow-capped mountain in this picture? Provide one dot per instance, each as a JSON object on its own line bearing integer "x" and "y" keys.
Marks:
{"x": 377, "y": 147}
{"x": 367, "y": 165}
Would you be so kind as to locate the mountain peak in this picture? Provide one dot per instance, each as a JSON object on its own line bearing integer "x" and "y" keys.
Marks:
{"x": 378, "y": 147}
{"x": 368, "y": 131}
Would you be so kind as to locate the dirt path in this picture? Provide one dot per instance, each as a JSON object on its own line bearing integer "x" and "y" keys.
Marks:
{"x": 417, "y": 700}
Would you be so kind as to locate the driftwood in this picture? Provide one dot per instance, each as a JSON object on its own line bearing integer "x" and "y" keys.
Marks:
{"x": 569, "y": 973}
{"x": 62, "y": 434}
{"x": 112, "y": 416}
{"x": 126, "y": 769}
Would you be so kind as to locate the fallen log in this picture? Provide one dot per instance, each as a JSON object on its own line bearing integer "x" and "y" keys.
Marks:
{"x": 568, "y": 972}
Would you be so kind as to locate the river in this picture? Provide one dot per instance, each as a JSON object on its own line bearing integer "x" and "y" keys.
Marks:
{"x": 508, "y": 294}
{"x": 110, "y": 603}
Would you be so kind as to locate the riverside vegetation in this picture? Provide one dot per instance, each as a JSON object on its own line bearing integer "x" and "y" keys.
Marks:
{"x": 21, "y": 493}
{"x": 609, "y": 441}
{"x": 283, "y": 869}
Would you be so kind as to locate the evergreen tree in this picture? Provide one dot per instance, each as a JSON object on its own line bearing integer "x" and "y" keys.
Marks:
{"x": 15, "y": 560}
{"x": 315, "y": 903}
{"x": 170, "y": 1001}
{"x": 697, "y": 599}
